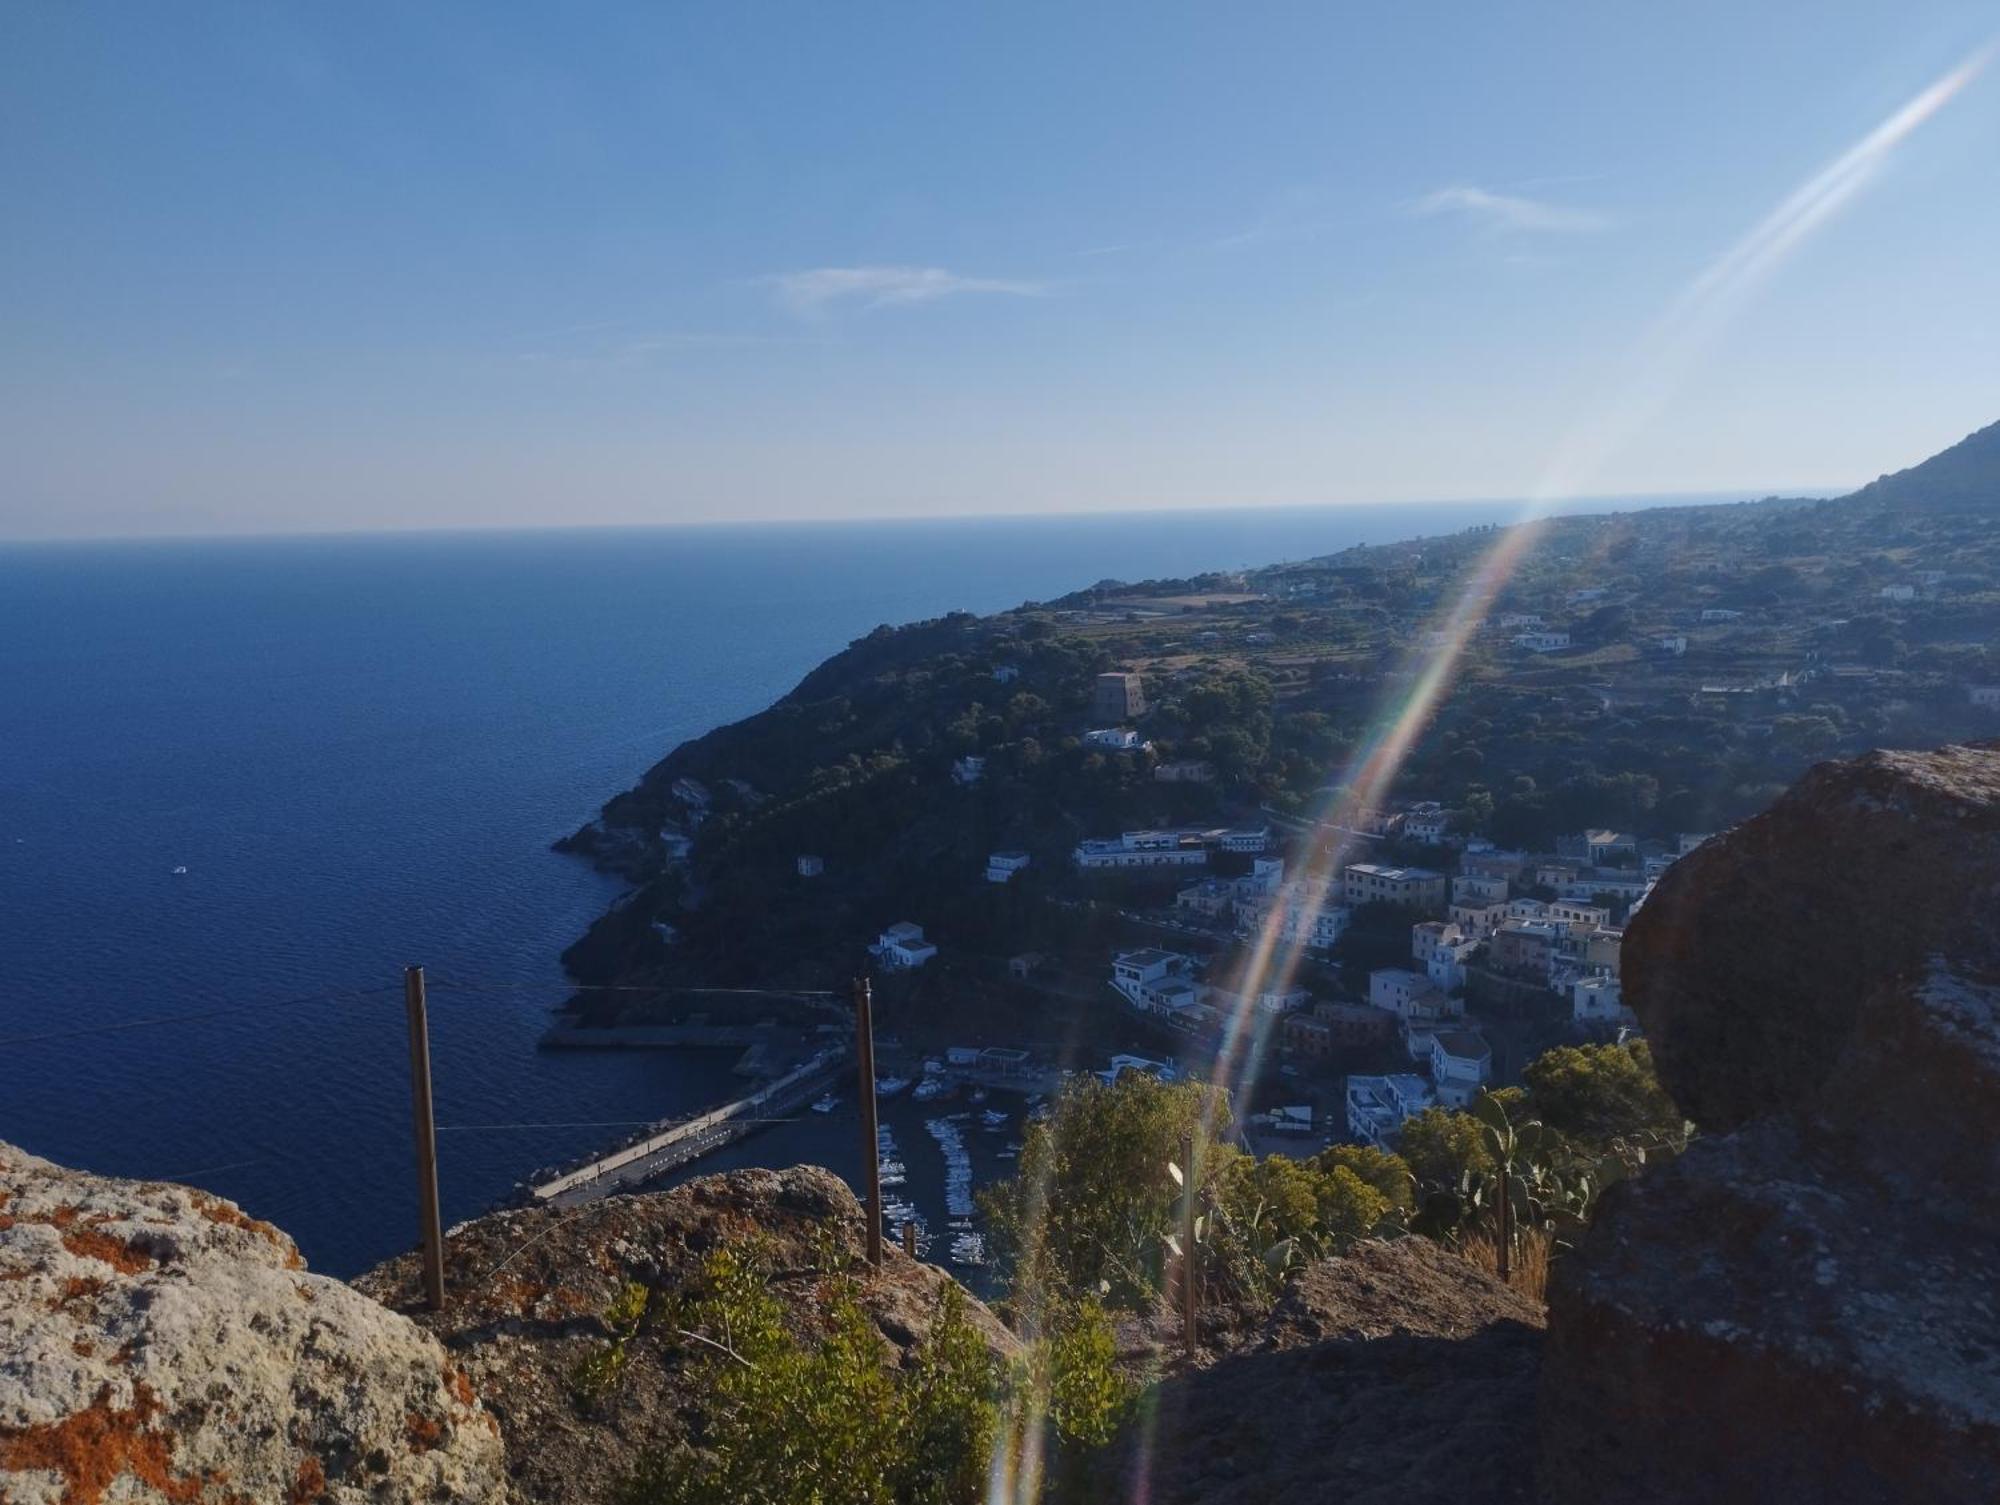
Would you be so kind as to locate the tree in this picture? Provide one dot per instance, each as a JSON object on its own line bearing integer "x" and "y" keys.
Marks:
{"x": 1348, "y": 1209}
{"x": 1388, "y": 1173}
{"x": 1597, "y": 1093}
{"x": 1093, "y": 1201}
{"x": 1441, "y": 1146}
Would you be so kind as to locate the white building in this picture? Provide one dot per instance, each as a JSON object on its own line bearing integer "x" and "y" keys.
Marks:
{"x": 1158, "y": 982}
{"x": 1371, "y": 883}
{"x": 1426, "y": 823}
{"x": 1599, "y": 998}
{"x": 1212, "y": 898}
{"x": 1142, "y": 849}
{"x": 1305, "y": 912}
{"x": 1248, "y": 839}
{"x": 1407, "y": 994}
{"x": 1674, "y": 643}
{"x": 1719, "y": 614}
{"x": 1269, "y": 1001}
{"x": 969, "y": 769}
{"x": 1476, "y": 922}
{"x": 902, "y": 948}
{"x": 1542, "y": 642}
{"x": 1427, "y": 937}
{"x": 1602, "y": 844}
{"x": 810, "y": 865}
{"x": 1518, "y": 619}
{"x": 1002, "y": 866}
{"x": 1446, "y": 965}
{"x": 1461, "y": 1063}
{"x": 1118, "y": 738}
{"x": 1006, "y": 673}
{"x": 1378, "y": 1105}
{"x": 1899, "y": 593}
{"x": 1479, "y": 888}
{"x": 1577, "y": 915}
{"x": 1185, "y": 771}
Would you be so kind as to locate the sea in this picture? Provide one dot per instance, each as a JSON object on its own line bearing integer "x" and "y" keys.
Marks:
{"x": 243, "y": 782}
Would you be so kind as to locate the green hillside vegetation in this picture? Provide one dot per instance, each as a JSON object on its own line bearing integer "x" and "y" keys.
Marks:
{"x": 1272, "y": 679}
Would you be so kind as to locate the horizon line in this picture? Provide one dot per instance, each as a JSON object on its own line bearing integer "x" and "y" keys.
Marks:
{"x": 1711, "y": 497}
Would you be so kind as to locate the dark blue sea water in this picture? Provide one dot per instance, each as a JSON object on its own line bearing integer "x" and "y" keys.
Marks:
{"x": 359, "y": 750}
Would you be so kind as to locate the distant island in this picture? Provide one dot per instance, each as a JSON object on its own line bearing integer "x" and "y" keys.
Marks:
{"x": 989, "y": 812}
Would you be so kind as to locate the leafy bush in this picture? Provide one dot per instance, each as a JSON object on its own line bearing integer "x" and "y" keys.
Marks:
{"x": 831, "y": 1420}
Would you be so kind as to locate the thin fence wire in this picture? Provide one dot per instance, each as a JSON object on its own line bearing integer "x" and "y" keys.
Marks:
{"x": 352, "y": 995}
{"x": 343, "y": 995}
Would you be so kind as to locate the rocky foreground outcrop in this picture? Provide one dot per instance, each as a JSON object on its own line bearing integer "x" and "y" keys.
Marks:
{"x": 158, "y": 1345}
{"x": 529, "y": 1290}
{"x": 1806, "y": 1306}
{"x": 1395, "y": 1375}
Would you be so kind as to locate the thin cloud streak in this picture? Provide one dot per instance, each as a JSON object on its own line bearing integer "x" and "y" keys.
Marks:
{"x": 1677, "y": 340}
{"x": 814, "y": 292}
{"x": 1511, "y": 212}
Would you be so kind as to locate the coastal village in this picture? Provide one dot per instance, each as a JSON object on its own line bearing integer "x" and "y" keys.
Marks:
{"x": 1110, "y": 832}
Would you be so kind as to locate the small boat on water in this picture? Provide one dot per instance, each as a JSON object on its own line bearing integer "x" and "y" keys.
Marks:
{"x": 979, "y": 1094}
{"x": 826, "y": 1103}
{"x": 930, "y": 1089}
{"x": 891, "y": 1086}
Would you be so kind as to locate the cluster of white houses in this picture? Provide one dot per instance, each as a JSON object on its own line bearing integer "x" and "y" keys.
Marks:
{"x": 1482, "y": 917}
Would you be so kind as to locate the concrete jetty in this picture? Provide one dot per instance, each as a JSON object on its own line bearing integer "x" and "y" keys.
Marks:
{"x": 675, "y": 1144}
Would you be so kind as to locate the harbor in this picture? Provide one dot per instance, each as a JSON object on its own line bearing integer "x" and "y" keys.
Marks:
{"x": 947, "y": 1125}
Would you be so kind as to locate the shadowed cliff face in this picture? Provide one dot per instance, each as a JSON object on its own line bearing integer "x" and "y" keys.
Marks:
{"x": 1803, "y": 1306}
{"x": 1396, "y": 1375}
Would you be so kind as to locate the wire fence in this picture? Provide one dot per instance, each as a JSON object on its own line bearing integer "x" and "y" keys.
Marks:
{"x": 435, "y": 985}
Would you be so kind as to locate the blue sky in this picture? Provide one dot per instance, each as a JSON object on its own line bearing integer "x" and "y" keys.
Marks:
{"x": 281, "y": 267}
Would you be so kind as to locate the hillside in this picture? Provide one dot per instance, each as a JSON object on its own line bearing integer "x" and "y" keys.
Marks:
{"x": 1966, "y": 476}
{"x": 1710, "y": 654}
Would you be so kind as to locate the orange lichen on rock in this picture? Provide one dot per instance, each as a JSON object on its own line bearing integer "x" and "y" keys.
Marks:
{"x": 80, "y": 1288}
{"x": 460, "y": 1386}
{"x": 124, "y": 1256}
{"x": 424, "y": 1432}
{"x": 218, "y": 1211}
{"x": 92, "y": 1449}
{"x": 309, "y": 1484}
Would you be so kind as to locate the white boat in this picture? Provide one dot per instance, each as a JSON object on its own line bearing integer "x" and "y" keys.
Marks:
{"x": 890, "y": 1086}
{"x": 994, "y": 1118}
{"x": 930, "y": 1089}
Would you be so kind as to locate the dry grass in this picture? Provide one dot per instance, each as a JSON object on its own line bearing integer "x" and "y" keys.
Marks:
{"x": 1532, "y": 1254}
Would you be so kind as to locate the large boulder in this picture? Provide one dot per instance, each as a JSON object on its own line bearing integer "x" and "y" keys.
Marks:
{"x": 1803, "y": 1306}
{"x": 1398, "y": 1374}
{"x": 530, "y": 1290}
{"x": 158, "y": 1345}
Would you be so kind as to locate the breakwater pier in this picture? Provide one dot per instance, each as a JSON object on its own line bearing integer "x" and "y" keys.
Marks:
{"x": 674, "y": 1144}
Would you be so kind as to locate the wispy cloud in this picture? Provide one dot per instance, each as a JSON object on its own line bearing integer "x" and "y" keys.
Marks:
{"x": 822, "y": 288}
{"x": 1511, "y": 211}
{"x": 1670, "y": 350}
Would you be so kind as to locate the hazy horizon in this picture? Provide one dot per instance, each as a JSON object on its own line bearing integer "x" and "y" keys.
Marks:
{"x": 288, "y": 271}
{"x": 1570, "y": 506}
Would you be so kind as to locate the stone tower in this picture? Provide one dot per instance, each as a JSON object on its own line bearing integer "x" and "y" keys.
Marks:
{"x": 1118, "y": 697}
